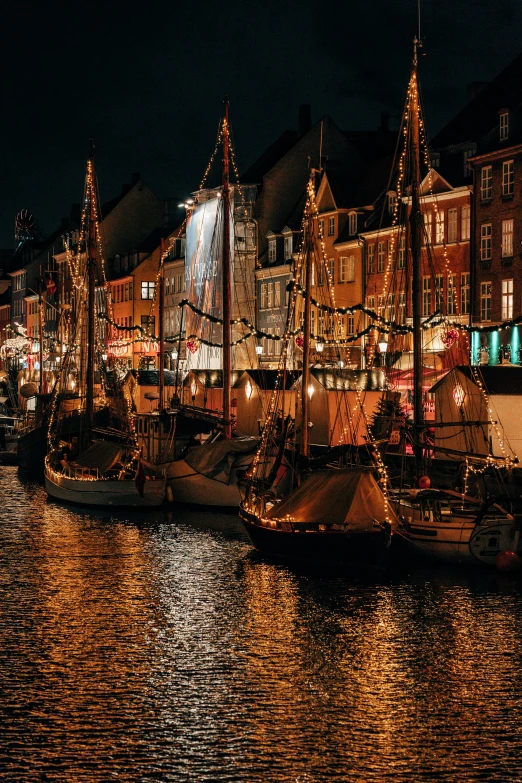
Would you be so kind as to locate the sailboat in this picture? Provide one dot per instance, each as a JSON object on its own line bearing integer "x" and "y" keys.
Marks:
{"x": 208, "y": 474}
{"x": 438, "y": 523}
{"x": 324, "y": 509}
{"x": 101, "y": 466}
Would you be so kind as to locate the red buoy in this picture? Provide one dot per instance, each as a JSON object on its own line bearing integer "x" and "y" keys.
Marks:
{"x": 424, "y": 482}
{"x": 507, "y": 561}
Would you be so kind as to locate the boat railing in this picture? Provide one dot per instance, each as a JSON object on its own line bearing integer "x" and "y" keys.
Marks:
{"x": 79, "y": 472}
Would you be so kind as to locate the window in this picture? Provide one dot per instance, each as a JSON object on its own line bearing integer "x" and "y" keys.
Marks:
{"x": 402, "y": 252}
{"x": 507, "y": 299}
{"x": 181, "y": 283}
{"x": 167, "y": 288}
{"x": 270, "y": 295}
{"x": 148, "y": 324}
{"x": 371, "y": 259}
{"x": 350, "y": 324}
{"x": 467, "y": 154}
{"x": 321, "y": 229}
{"x": 439, "y": 292}
{"x": 288, "y": 246}
{"x": 485, "y": 242}
{"x": 426, "y": 296}
{"x": 503, "y": 126}
{"x": 465, "y": 290}
{"x": 381, "y": 306}
{"x": 370, "y": 303}
{"x": 485, "y": 301}
{"x": 439, "y": 228}
{"x": 381, "y": 256}
{"x": 390, "y": 309}
{"x": 452, "y": 295}
{"x": 352, "y": 223}
{"x": 331, "y": 226}
{"x": 452, "y": 225}
{"x": 264, "y": 296}
{"x": 347, "y": 269}
{"x": 428, "y": 236}
{"x": 147, "y": 290}
{"x": 331, "y": 269}
{"x": 277, "y": 343}
{"x": 507, "y": 238}
{"x": 272, "y": 250}
{"x": 312, "y": 281}
{"x": 277, "y": 293}
{"x": 402, "y": 306}
{"x": 465, "y": 223}
{"x": 392, "y": 202}
{"x": 486, "y": 183}
{"x": 508, "y": 177}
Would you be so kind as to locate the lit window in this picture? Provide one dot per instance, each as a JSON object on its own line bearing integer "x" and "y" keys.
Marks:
{"x": 402, "y": 252}
{"x": 465, "y": 223}
{"x": 507, "y": 299}
{"x": 331, "y": 269}
{"x": 485, "y": 301}
{"x": 147, "y": 290}
{"x": 352, "y": 223}
{"x": 371, "y": 259}
{"x": 346, "y": 269}
{"x": 452, "y": 225}
{"x": 331, "y": 226}
{"x": 465, "y": 293}
{"x": 439, "y": 292}
{"x": 439, "y": 228}
{"x": 350, "y": 324}
{"x": 486, "y": 183}
{"x": 508, "y": 177}
{"x": 270, "y": 295}
{"x": 148, "y": 323}
{"x": 485, "y": 242}
{"x": 402, "y": 306}
{"x": 392, "y": 201}
{"x": 381, "y": 256}
{"x": 264, "y": 296}
{"x": 277, "y": 293}
{"x": 426, "y": 297}
{"x": 504, "y": 126}
{"x": 507, "y": 238}
{"x": 272, "y": 250}
{"x": 321, "y": 229}
{"x": 452, "y": 294}
{"x": 370, "y": 303}
{"x": 428, "y": 236}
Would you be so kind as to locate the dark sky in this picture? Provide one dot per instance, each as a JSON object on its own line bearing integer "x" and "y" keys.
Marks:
{"x": 148, "y": 81}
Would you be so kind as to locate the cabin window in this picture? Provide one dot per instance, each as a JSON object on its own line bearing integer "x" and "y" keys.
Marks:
{"x": 465, "y": 223}
{"x": 148, "y": 290}
{"x": 508, "y": 177}
{"x": 507, "y": 238}
{"x": 507, "y": 299}
{"x": 485, "y": 242}
{"x": 503, "y": 126}
{"x": 485, "y": 301}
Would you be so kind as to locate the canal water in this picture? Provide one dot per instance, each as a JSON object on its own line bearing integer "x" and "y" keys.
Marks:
{"x": 159, "y": 646}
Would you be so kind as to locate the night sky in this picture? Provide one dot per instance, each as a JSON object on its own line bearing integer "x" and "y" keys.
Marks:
{"x": 148, "y": 81}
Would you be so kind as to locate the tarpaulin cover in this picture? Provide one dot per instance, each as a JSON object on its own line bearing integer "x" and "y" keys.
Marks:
{"x": 102, "y": 455}
{"x": 349, "y": 497}
{"x": 215, "y": 460}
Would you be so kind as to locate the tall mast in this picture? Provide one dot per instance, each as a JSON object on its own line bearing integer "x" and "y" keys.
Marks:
{"x": 41, "y": 305}
{"x": 161, "y": 308}
{"x": 305, "y": 399}
{"x": 91, "y": 285}
{"x": 225, "y": 266}
{"x": 416, "y": 225}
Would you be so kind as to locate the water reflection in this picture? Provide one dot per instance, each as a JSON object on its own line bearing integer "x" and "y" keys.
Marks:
{"x": 158, "y": 646}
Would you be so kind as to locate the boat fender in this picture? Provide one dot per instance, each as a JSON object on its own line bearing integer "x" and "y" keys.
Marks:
{"x": 507, "y": 561}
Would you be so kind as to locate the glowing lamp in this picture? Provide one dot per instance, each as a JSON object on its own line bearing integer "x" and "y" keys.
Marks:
{"x": 319, "y": 347}
{"x": 383, "y": 345}
{"x": 259, "y": 349}
{"x": 104, "y": 357}
{"x": 249, "y": 389}
{"x": 310, "y": 391}
{"x": 174, "y": 355}
{"x": 340, "y": 364}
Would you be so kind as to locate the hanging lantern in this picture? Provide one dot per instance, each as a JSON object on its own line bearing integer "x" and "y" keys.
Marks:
{"x": 299, "y": 340}
{"x": 192, "y": 346}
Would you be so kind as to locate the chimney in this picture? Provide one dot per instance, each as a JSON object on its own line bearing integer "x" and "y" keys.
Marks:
{"x": 304, "y": 121}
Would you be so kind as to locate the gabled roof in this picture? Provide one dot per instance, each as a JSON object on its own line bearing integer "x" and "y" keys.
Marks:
{"x": 266, "y": 379}
{"x": 500, "y": 379}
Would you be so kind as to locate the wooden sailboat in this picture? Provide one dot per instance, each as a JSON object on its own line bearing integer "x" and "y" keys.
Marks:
{"x": 102, "y": 466}
{"x": 439, "y": 523}
{"x": 208, "y": 474}
{"x": 336, "y": 514}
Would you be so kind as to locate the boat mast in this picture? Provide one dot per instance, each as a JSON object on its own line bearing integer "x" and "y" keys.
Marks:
{"x": 225, "y": 270}
{"x": 161, "y": 308}
{"x": 91, "y": 286}
{"x": 41, "y": 305}
{"x": 416, "y": 225}
{"x": 305, "y": 399}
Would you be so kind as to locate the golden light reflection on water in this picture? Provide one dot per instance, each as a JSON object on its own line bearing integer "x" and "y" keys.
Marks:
{"x": 160, "y": 648}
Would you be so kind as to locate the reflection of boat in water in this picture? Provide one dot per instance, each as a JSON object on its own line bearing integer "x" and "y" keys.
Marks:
{"x": 450, "y": 527}
{"x": 102, "y": 467}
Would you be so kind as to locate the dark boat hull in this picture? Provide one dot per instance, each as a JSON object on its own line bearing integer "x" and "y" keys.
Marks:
{"x": 32, "y": 448}
{"x": 339, "y": 547}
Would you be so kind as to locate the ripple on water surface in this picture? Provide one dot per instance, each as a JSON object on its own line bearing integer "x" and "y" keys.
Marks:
{"x": 160, "y": 647}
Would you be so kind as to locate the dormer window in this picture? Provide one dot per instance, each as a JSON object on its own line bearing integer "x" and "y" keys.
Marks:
{"x": 392, "y": 201}
{"x": 435, "y": 160}
{"x": 352, "y": 223}
{"x": 331, "y": 226}
{"x": 288, "y": 246}
{"x": 272, "y": 250}
{"x": 503, "y": 125}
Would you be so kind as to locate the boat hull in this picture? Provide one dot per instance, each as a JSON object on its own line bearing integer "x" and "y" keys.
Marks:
{"x": 104, "y": 494}
{"x": 328, "y": 547}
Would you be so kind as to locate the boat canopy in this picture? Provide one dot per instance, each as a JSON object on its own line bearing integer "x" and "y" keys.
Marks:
{"x": 350, "y": 497}
{"x": 215, "y": 460}
{"x": 102, "y": 455}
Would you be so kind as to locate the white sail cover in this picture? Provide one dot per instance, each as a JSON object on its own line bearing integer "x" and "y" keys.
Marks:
{"x": 215, "y": 460}
{"x": 350, "y": 497}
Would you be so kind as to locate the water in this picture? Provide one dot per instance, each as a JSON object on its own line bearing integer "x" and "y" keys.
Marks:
{"x": 160, "y": 647}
